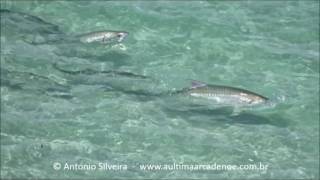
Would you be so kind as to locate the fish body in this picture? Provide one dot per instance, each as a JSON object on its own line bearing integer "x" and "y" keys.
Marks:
{"x": 224, "y": 94}
{"x": 105, "y": 37}
{"x": 102, "y": 37}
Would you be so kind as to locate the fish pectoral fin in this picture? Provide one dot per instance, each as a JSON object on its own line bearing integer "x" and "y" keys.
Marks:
{"x": 236, "y": 111}
{"x": 197, "y": 84}
{"x": 104, "y": 40}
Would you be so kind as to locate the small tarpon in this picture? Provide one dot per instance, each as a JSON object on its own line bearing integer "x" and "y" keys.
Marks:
{"x": 225, "y": 95}
{"x": 36, "y": 31}
{"x": 105, "y": 37}
{"x": 102, "y": 37}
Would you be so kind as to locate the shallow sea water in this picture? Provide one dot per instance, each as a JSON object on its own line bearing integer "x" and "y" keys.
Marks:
{"x": 50, "y": 117}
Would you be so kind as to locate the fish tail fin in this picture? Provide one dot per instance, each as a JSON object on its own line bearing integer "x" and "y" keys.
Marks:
{"x": 196, "y": 83}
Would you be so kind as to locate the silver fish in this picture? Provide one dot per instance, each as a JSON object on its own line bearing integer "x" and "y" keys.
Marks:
{"x": 105, "y": 37}
{"x": 224, "y": 94}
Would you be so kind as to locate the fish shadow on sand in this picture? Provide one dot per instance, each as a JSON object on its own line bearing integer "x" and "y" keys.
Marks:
{"x": 223, "y": 116}
{"x": 33, "y": 83}
{"x": 118, "y": 59}
{"x": 248, "y": 118}
{"x": 22, "y": 26}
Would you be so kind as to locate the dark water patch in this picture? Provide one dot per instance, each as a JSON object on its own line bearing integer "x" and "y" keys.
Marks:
{"x": 28, "y": 82}
{"x": 10, "y": 85}
{"x": 140, "y": 95}
{"x": 94, "y": 54}
{"x": 27, "y": 27}
{"x": 110, "y": 73}
{"x": 117, "y": 58}
{"x": 27, "y": 23}
{"x": 248, "y": 118}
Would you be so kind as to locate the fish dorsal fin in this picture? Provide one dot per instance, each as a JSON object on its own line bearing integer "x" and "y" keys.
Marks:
{"x": 197, "y": 84}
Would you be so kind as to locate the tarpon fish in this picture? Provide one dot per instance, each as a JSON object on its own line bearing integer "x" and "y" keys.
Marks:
{"x": 105, "y": 37}
{"x": 42, "y": 32}
{"x": 224, "y": 94}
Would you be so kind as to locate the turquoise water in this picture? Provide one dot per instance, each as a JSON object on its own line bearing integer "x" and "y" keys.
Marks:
{"x": 50, "y": 117}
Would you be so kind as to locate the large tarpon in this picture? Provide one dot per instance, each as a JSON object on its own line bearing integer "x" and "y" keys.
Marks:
{"x": 224, "y": 95}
